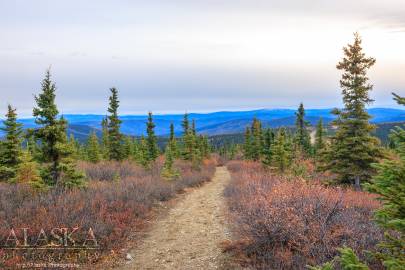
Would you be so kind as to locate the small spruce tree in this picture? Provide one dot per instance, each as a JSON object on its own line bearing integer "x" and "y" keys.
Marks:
{"x": 319, "y": 136}
{"x": 153, "y": 149}
{"x": 11, "y": 152}
{"x": 93, "y": 148}
{"x": 58, "y": 168}
{"x": 281, "y": 151}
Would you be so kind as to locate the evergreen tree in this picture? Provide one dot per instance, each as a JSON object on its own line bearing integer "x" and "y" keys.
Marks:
{"x": 193, "y": 128}
{"x": 319, "y": 136}
{"x": 173, "y": 142}
{"x": 143, "y": 152}
{"x": 153, "y": 149}
{"x": 114, "y": 123}
{"x": 267, "y": 147}
{"x": 128, "y": 148}
{"x": 247, "y": 146}
{"x": 74, "y": 146}
{"x": 204, "y": 146}
{"x": 257, "y": 139}
{"x": 353, "y": 149}
{"x": 185, "y": 124}
{"x": 188, "y": 140}
{"x": 302, "y": 137}
{"x": 10, "y": 157}
{"x": 168, "y": 171}
{"x": 389, "y": 184}
{"x": 105, "y": 144}
{"x": 31, "y": 143}
{"x": 58, "y": 168}
{"x": 28, "y": 172}
{"x": 93, "y": 148}
{"x": 281, "y": 151}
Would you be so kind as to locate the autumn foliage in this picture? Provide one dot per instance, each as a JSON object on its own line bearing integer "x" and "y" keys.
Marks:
{"x": 279, "y": 223}
{"x": 118, "y": 199}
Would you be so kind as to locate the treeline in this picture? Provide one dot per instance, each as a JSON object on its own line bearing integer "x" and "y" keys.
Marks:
{"x": 45, "y": 157}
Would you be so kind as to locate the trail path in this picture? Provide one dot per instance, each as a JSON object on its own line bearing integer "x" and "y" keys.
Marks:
{"x": 190, "y": 235}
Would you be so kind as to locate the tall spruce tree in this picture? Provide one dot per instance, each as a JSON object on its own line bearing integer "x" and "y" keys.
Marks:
{"x": 389, "y": 184}
{"x": 58, "y": 168}
{"x": 353, "y": 149}
{"x": 11, "y": 152}
{"x": 153, "y": 149}
{"x": 302, "y": 138}
{"x": 114, "y": 124}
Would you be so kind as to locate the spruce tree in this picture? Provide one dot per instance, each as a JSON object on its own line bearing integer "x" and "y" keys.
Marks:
{"x": 281, "y": 151}
{"x": 58, "y": 168}
{"x": 128, "y": 148}
{"x": 353, "y": 149}
{"x": 153, "y": 149}
{"x": 28, "y": 172}
{"x": 267, "y": 147}
{"x": 31, "y": 143}
{"x": 319, "y": 136}
{"x": 105, "y": 144}
{"x": 188, "y": 147}
{"x": 302, "y": 138}
{"x": 257, "y": 140}
{"x": 11, "y": 152}
{"x": 168, "y": 171}
{"x": 389, "y": 184}
{"x": 114, "y": 124}
{"x": 173, "y": 142}
{"x": 143, "y": 152}
{"x": 247, "y": 146}
{"x": 193, "y": 128}
{"x": 93, "y": 148}
{"x": 185, "y": 124}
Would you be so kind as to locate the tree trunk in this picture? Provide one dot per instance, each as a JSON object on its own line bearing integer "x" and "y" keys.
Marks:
{"x": 357, "y": 183}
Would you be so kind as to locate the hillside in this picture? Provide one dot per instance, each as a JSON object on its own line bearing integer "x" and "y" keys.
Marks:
{"x": 216, "y": 123}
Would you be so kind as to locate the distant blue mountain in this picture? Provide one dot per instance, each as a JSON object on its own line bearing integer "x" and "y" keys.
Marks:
{"x": 216, "y": 123}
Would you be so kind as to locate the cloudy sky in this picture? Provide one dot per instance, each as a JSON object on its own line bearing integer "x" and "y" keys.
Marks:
{"x": 195, "y": 55}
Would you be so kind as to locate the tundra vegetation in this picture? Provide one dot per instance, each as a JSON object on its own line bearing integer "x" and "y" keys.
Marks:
{"x": 300, "y": 197}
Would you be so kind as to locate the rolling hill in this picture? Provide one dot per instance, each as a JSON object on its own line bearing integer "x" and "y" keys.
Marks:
{"x": 216, "y": 123}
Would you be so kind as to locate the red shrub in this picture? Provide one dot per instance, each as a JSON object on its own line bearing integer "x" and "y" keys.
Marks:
{"x": 281, "y": 224}
{"x": 113, "y": 207}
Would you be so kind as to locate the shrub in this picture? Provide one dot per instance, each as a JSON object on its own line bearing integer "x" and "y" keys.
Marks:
{"x": 280, "y": 224}
{"x": 113, "y": 210}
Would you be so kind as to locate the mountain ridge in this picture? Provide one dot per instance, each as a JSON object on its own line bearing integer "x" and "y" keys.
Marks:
{"x": 214, "y": 123}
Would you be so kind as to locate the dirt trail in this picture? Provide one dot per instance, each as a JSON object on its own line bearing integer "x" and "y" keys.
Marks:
{"x": 189, "y": 236}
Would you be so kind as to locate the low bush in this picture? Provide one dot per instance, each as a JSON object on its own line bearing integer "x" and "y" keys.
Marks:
{"x": 289, "y": 224}
{"x": 118, "y": 199}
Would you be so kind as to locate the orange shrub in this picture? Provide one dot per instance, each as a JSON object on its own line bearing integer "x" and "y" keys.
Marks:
{"x": 279, "y": 224}
{"x": 114, "y": 207}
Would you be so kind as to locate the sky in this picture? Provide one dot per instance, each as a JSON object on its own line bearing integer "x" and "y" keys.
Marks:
{"x": 171, "y": 56}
